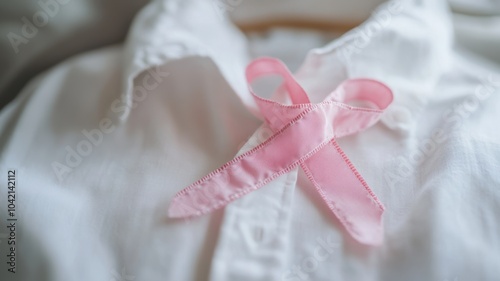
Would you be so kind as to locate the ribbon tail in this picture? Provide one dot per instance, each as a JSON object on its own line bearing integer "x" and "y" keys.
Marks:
{"x": 281, "y": 153}
{"x": 346, "y": 193}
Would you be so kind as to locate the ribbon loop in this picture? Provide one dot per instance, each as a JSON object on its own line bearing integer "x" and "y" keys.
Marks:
{"x": 304, "y": 134}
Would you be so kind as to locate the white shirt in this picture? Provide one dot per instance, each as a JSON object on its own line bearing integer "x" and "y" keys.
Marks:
{"x": 103, "y": 141}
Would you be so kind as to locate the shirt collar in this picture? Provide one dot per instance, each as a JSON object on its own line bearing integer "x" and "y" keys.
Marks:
{"x": 405, "y": 44}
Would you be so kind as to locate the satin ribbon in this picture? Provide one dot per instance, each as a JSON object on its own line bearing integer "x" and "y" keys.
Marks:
{"x": 304, "y": 134}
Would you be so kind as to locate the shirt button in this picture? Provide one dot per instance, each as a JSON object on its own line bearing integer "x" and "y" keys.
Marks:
{"x": 397, "y": 117}
{"x": 258, "y": 234}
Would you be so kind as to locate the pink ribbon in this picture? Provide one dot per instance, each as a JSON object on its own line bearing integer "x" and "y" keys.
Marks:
{"x": 304, "y": 134}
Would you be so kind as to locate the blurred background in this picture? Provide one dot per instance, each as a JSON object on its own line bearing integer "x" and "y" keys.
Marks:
{"x": 36, "y": 35}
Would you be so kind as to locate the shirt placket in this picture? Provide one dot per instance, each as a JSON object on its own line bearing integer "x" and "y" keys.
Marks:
{"x": 254, "y": 233}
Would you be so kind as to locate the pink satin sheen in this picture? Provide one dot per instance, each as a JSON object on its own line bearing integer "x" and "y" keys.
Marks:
{"x": 304, "y": 134}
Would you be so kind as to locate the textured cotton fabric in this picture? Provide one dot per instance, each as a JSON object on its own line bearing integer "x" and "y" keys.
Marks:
{"x": 103, "y": 141}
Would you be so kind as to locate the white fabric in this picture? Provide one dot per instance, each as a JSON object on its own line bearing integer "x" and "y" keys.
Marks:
{"x": 104, "y": 140}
